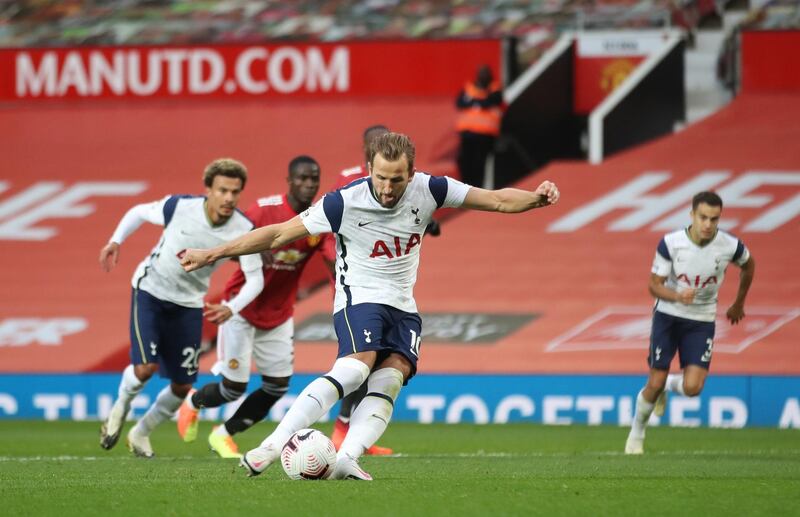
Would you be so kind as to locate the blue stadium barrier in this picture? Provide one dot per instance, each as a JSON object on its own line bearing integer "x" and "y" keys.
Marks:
{"x": 727, "y": 401}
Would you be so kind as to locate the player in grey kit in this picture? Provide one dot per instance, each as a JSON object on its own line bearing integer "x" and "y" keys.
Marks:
{"x": 687, "y": 272}
{"x": 379, "y": 222}
{"x": 167, "y": 302}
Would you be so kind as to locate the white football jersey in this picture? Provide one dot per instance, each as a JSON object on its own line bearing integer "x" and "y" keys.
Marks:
{"x": 186, "y": 225}
{"x": 378, "y": 248}
{"x": 687, "y": 265}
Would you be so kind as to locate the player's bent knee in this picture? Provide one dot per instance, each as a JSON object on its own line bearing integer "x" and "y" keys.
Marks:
{"x": 347, "y": 375}
{"x": 397, "y": 362}
{"x": 231, "y": 391}
{"x": 385, "y": 382}
{"x": 143, "y": 372}
{"x": 657, "y": 381}
{"x": 233, "y": 385}
{"x": 275, "y": 386}
{"x": 276, "y": 381}
{"x": 656, "y": 387}
{"x": 692, "y": 389}
{"x": 180, "y": 390}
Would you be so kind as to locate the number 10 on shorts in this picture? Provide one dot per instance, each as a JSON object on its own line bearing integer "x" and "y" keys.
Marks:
{"x": 416, "y": 341}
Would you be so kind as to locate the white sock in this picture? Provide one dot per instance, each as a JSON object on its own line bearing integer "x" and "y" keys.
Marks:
{"x": 221, "y": 431}
{"x": 318, "y": 397}
{"x": 129, "y": 387}
{"x": 643, "y": 411}
{"x": 675, "y": 383}
{"x": 166, "y": 404}
{"x": 373, "y": 413}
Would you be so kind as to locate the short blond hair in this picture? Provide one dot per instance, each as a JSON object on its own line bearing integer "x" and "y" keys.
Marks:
{"x": 227, "y": 167}
{"x": 392, "y": 146}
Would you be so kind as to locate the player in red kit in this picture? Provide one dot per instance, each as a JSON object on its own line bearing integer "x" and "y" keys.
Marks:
{"x": 263, "y": 331}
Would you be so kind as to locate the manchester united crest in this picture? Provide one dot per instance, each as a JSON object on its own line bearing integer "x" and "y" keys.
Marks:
{"x": 615, "y": 73}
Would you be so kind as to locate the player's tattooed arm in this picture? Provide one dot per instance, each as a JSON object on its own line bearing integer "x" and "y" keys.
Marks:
{"x": 263, "y": 238}
{"x": 512, "y": 200}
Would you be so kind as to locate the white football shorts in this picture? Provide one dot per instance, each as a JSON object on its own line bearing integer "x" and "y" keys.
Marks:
{"x": 238, "y": 341}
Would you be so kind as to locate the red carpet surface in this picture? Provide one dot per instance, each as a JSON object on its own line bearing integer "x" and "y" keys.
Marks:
{"x": 72, "y": 170}
{"x": 581, "y": 267}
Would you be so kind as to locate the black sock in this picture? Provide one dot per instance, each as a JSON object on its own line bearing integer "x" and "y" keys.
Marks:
{"x": 253, "y": 410}
{"x": 208, "y": 396}
{"x": 350, "y": 402}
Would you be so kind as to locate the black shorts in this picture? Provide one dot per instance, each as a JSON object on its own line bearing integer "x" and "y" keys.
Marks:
{"x": 693, "y": 340}
{"x": 376, "y": 327}
{"x": 166, "y": 333}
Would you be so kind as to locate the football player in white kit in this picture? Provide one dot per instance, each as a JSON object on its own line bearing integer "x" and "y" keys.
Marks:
{"x": 687, "y": 272}
{"x": 379, "y": 222}
{"x": 167, "y": 302}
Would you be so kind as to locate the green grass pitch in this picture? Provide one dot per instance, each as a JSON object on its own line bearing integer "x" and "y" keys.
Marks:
{"x": 58, "y": 468}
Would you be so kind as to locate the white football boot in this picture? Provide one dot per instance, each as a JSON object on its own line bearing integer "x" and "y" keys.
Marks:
{"x": 634, "y": 444}
{"x": 257, "y": 460}
{"x": 139, "y": 444}
{"x": 660, "y": 404}
{"x": 112, "y": 427}
{"x": 347, "y": 468}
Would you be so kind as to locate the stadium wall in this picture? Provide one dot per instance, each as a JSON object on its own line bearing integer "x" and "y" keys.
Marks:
{"x": 770, "y": 61}
{"x": 274, "y": 71}
{"x": 539, "y": 125}
{"x": 727, "y": 401}
{"x": 647, "y": 105}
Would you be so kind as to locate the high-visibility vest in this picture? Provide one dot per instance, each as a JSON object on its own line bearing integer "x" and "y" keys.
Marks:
{"x": 476, "y": 119}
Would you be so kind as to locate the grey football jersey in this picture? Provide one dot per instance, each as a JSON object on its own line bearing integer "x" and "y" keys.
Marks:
{"x": 378, "y": 248}
{"x": 187, "y": 226}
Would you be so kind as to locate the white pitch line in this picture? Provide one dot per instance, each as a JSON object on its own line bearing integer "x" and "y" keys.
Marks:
{"x": 90, "y": 458}
{"x": 452, "y": 455}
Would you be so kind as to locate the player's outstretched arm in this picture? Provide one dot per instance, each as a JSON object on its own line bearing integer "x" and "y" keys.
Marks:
{"x": 267, "y": 237}
{"x": 130, "y": 222}
{"x": 736, "y": 311}
{"x": 511, "y": 200}
{"x": 109, "y": 256}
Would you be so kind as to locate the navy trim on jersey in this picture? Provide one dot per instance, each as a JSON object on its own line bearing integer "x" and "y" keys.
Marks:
{"x": 333, "y": 205}
{"x": 438, "y": 188}
{"x": 357, "y": 181}
{"x": 170, "y": 205}
{"x": 372, "y": 190}
{"x": 739, "y": 251}
{"x": 153, "y": 256}
{"x": 344, "y": 270}
{"x": 252, "y": 223}
{"x": 344, "y": 253}
{"x": 662, "y": 249}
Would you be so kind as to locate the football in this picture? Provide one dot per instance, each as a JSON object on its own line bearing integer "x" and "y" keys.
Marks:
{"x": 308, "y": 454}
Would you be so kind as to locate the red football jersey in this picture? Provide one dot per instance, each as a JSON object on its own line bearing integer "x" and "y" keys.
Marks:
{"x": 282, "y": 267}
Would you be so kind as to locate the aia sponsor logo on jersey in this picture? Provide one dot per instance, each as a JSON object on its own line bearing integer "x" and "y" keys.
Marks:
{"x": 698, "y": 281}
{"x": 397, "y": 248}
